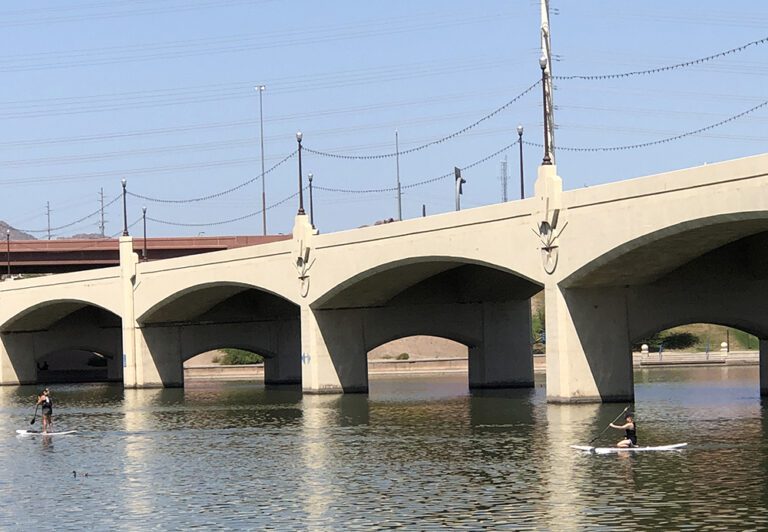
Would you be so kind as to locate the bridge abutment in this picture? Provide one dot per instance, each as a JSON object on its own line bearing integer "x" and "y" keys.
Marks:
{"x": 589, "y": 356}
{"x": 17, "y": 362}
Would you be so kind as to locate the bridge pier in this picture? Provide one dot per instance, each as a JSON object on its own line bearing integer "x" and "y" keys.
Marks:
{"x": 17, "y": 360}
{"x": 589, "y": 356}
{"x": 333, "y": 351}
{"x": 285, "y": 367}
{"x": 503, "y": 358}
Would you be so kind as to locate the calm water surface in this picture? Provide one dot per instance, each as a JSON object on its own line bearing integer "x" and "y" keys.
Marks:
{"x": 417, "y": 453}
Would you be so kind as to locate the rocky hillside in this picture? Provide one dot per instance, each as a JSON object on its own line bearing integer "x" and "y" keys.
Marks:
{"x": 15, "y": 233}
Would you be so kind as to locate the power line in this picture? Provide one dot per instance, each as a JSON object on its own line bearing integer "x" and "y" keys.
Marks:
{"x": 657, "y": 70}
{"x": 216, "y": 194}
{"x": 91, "y": 215}
{"x": 659, "y": 141}
{"x": 431, "y": 143}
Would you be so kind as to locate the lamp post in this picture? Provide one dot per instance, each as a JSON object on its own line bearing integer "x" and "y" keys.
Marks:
{"x": 543, "y": 65}
{"x": 301, "y": 179}
{"x": 125, "y": 211}
{"x": 311, "y": 206}
{"x": 459, "y": 189}
{"x": 8, "y": 250}
{"x": 144, "y": 219}
{"x": 520, "y": 142}
{"x": 399, "y": 190}
{"x": 261, "y": 89}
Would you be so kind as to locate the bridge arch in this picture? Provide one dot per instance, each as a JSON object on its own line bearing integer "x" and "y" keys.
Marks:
{"x": 214, "y": 315}
{"x": 43, "y": 330}
{"x": 481, "y": 305}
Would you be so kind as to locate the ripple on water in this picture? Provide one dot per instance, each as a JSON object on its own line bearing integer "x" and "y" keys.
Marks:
{"x": 418, "y": 454}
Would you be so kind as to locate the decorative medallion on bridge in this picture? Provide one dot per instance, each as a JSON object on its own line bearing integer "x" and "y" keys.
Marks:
{"x": 549, "y": 236}
{"x": 303, "y": 265}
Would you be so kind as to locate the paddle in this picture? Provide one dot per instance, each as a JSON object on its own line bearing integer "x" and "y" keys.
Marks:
{"x": 609, "y": 424}
{"x": 35, "y": 416}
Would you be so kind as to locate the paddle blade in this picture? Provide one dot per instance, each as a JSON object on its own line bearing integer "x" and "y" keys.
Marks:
{"x": 32, "y": 422}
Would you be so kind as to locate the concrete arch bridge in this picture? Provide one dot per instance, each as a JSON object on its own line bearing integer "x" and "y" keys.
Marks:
{"x": 616, "y": 262}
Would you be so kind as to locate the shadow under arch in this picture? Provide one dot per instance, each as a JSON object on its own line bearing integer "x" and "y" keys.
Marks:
{"x": 379, "y": 285}
{"x": 481, "y": 305}
{"x": 60, "y": 326}
{"x": 209, "y": 316}
{"x": 78, "y": 363}
{"x": 43, "y": 315}
{"x": 651, "y": 256}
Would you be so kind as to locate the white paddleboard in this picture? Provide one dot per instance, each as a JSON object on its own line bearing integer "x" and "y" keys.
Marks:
{"x": 22, "y": 432}
{"x": 605, "y": 450}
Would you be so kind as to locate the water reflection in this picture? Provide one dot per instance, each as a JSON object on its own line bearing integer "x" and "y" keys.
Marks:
{"x": 416, "y": 453}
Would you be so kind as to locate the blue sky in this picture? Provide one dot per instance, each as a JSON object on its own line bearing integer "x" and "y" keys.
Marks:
{"x": 161, "y": 92}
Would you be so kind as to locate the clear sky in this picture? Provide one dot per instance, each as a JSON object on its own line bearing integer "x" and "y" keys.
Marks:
{"x": 161, "y": 92}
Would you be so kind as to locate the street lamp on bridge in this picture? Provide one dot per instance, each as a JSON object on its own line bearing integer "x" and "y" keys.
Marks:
{"x": 311, "y": 208}
{"x": 520, "y": 142}
{"x": 543, "y": 64}
{"x": 261, "y": 89}
{"x": 301, "y": 179}
{"x": 125, "y": 211}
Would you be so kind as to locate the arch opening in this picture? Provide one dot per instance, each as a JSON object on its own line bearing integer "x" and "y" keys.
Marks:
{"x": 63, "y": 341}
{"x": 201, "y": 320}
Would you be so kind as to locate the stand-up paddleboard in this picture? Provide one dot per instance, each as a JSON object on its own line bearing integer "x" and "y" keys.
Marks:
{"x": 605, "y": 450}
{"x": 22, "y": 432}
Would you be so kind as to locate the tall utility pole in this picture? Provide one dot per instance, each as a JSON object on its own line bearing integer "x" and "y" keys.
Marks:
{"x": 546, "y": 53}
{"x": 503, "y": 176}
{"x": 261, "y": 89}
{"x": 102, "y": 225}
{"x": 399, "y": 190}
{"x": 48, "y": 214}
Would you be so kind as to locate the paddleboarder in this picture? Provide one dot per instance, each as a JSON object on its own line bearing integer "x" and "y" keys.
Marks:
{"x": 45, "y": 401}
{"x": 630, "y": 432}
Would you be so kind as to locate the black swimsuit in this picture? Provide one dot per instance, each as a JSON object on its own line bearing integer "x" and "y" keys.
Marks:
{"x": 631, "y": 434}
{"x": 47, "y": 406}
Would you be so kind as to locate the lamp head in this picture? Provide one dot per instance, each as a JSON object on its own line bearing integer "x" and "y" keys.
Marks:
{"x": 520, "y": 130}
{"x": 144, "y": 210}
{"x": 299, "y": 136}
{"x": 123, "y": 182}
{"x": 543, "y": 62}
{"x": 310, "y": 176}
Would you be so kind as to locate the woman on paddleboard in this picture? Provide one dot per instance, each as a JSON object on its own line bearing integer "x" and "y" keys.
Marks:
{"x": 45, "y": 401}
{"x": 630, "y": 432}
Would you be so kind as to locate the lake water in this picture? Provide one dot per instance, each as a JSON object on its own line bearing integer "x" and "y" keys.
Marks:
{"x": 418, "y": 453}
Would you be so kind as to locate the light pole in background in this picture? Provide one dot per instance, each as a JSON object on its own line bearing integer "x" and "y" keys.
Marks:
{"x": 301, "y": 179}
{"x": 520, "y": 142}
{"x": 125, "y": 211}
{"x": 311, "y": 208}
{"x": 261, "y": 89}
{"x": 144, "y": 219}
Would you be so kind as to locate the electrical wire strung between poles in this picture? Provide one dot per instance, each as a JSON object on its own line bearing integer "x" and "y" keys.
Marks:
{"x": 215, "y": 194}
{"x": 667, "y": 68}
{"x": 418, "y": 183}
{"x": 659, "y": 141}
{"x": 231, "y": 220}
{"x": 95, "y": 213}
{"x": 428, "y": 144}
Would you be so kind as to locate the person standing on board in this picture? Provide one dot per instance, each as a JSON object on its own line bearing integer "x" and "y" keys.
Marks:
{"x": 47, "y": 404}
{"x": 630, "y": 432}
